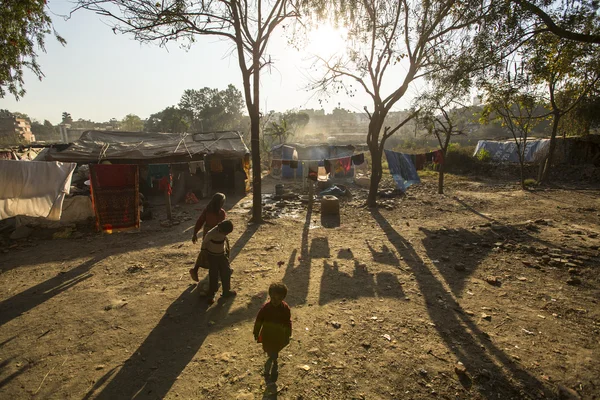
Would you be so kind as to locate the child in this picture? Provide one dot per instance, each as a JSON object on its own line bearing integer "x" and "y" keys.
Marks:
{"x": 210, "y": 217}
{"x": 215, "y": 245}
{"x": 273, "y": 328}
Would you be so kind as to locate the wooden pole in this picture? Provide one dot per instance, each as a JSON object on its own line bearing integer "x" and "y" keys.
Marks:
{"x": 168, "y": 198}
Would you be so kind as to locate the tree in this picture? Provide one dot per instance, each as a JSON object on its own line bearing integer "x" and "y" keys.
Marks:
{"x": 213, "y": 109}
{"x": 443, "y": 116}
{"x": 422, "y": 36}
{"x": 171, "y": 120}
{"x": 66, "y": 118}
{"x": 279, "y": 130}
{"x": 559, "y": 16}
{"x": 45, "y": 131}
{"x": 24, "y": 25}
{"x": 248, "y": 24}
{"x": 296, "y": 120}
{"x": 132, "y": 123}
{"x": 569, "y": 70}
{"x": 515, "y": 105}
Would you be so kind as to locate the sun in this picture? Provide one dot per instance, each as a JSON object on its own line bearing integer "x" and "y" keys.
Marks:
{"x": 327, "y": 41}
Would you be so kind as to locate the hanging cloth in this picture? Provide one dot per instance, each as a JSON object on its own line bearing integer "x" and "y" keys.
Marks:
{"x": 402, "y": 169}
{"x": 34, "y": 188}
{"x": 216, "y": 165}
{"x": 156, "y": 172}
{"x": 313, "y": 170}
{"x": 115, "y": 196}
{"x": 346, "y": 163}
{"x": 358, "y": 159}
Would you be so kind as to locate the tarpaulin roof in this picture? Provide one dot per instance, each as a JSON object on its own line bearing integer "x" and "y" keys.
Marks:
{"x": 102, "y": 145}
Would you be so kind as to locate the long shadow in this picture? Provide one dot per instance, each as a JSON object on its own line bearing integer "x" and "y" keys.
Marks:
{"x": 36, "y": 295}
{"x": 458, "y": 253}
{"x": 337, "y": 285}
{"x": 153, "y": 368}
{"x": 297, "y": 277}
{"x": 461, "y": 335}
{"x": 474, "y": 211}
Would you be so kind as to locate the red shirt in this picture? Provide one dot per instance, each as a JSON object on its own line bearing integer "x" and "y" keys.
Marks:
{"x": 273, "y": 327}
{"x": 209, "y": 220}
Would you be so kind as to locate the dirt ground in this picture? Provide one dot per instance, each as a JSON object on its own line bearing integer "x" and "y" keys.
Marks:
{"x": 384, "y": 306}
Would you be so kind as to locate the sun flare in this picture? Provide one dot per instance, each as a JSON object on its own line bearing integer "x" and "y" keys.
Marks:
{"x": 327, "y": 41}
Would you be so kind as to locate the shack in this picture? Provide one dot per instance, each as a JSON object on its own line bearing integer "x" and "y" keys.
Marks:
{"x": 201, "y": 163}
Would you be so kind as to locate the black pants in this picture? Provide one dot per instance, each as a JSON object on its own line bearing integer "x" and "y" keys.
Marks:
{"x": 219, "y": 268}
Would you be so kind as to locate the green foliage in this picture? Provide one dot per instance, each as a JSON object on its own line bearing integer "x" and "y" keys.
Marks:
{"x": 45, "y": 131}
{"x": 24, "y": 25}
{"x": 530, "y": 183}
{"x": 169, "y": 120}
{"x": 66, "y": 118}
{"x": 212, "y": 109}
{"x": 132, "y": 123}
{"x": 484, "y": 156}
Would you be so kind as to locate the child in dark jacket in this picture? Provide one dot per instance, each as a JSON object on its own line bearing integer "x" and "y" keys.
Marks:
{"x": 273, "y": 328}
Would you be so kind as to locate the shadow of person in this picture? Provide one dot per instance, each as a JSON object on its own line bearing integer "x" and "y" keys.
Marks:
{"x": 461, "y": 335}
{"x": 385, "y": 256}
{"x": 336, "y": 284}
{"x": 270, "y": 392}
{"x": 155, "y": 365}
{"x": 297, "y": 277}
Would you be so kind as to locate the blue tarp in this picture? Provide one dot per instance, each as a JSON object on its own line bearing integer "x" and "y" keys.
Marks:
{"x": 402, "y": 169}
{"x": 535, "y": 150}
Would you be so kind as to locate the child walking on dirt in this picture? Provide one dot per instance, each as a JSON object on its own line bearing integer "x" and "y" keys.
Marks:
{"x": 273, "y": 328}
{"x": 215, "y": 245}
{"x": 210, "y": 217}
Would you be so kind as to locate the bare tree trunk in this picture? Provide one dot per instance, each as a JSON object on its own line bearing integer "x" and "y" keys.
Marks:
{"x": 545, "y": 172}
{"x": 376, "y": 174}
{"x": 441, "y": 179}
{"x": 522, "y": 173}
{"x": 376, "y": 151}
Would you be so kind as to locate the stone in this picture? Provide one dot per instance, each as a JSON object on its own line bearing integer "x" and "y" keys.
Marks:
{"x": 459, "y": 266}
{"x": 336, "y": 324}
{"x": 565, "y": 393}
{"x": 460, "y": 369}
{"x": 573, "y": 271}
{"x": 493, "y": 280}
{"x": 574, "y": 281}
{"x": 486, "y": 317}
{"x": 546, "y": 259}
{"x": 21, "y": 232}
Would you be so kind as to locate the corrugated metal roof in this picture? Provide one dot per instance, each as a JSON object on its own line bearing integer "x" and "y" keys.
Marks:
{"x": 116, "y": 145}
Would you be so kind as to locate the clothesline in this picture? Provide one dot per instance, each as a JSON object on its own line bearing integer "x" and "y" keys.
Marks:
{"x": 318, "y": 160}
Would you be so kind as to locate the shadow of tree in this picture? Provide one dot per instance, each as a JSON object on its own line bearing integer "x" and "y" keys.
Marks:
{"x": 451, "y": 250}
{"x": 336, "y": 284}
{"x": 461, "y": 335}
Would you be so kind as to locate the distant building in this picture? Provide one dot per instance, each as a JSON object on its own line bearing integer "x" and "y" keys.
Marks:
{"x": 15, "y": 128}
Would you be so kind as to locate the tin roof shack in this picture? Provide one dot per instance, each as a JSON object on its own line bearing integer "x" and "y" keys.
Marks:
{"x": 200, "y": 163}
{"x": 318, "y": 152}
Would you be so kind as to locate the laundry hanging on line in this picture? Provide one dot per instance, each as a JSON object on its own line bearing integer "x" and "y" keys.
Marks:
{"x": 402, "y": 169}
{"x": 115, "y": 196}
{"x": 195, "y": 165}
{"x": 34, "y": 188}
{"x": 156, "y": 172}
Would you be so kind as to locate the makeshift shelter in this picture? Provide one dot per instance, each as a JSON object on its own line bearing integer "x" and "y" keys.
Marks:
{"x": 570, "y": 150}
{"x": 202, "y": 162}
{"x": 306, "y": 153}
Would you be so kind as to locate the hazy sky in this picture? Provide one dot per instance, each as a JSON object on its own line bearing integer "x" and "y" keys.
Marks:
{"x": 99, "y": 75}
